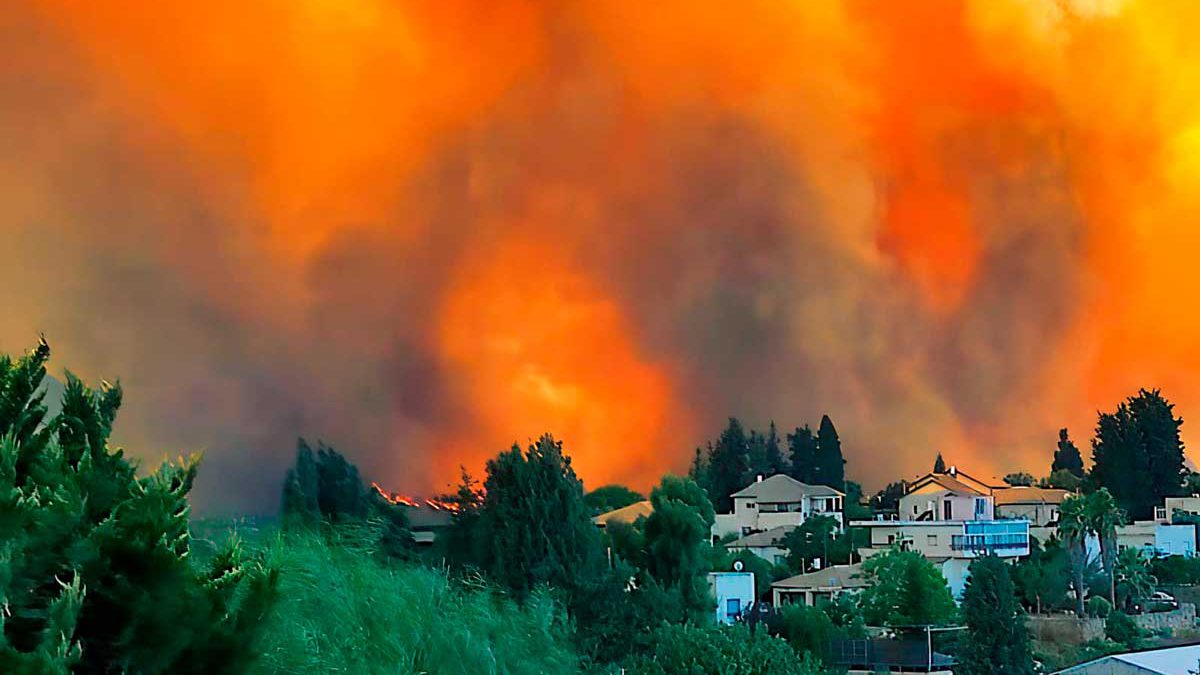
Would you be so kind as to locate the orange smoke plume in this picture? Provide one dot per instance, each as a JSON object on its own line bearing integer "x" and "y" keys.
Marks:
{"x": 426, "y": 231}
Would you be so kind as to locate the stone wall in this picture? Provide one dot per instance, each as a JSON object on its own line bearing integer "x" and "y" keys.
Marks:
{"x": 1184, "y": 617}
{"x": 1065, "y": 629}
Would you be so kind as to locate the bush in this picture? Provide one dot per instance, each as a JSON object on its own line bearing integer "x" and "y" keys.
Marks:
{"x": 718, "y": 650}
{"x": 1098, "y": 607}
{"x": 1176, "y": 569}
{"x": 343, "y": 610}
{"x": 1121, "y": 628}
{"x": 807, "y": 629}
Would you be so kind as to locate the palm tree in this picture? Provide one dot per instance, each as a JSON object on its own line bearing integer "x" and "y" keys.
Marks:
{"x": 1103, "y": 516}
{"x": 1135, "y": 580}
{"x": 1073, "y": 527}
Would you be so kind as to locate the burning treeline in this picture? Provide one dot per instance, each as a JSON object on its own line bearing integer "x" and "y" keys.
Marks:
{"x": 426, "y": 230}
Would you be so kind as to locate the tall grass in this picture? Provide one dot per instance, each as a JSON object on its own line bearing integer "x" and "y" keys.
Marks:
{"x": 341, "y": 610}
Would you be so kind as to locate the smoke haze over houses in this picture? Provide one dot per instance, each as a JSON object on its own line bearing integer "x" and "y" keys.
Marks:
{"x": 424, "y": 231}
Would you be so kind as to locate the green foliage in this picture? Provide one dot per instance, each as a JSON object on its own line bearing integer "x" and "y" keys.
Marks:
{"x": 676, "y": 536}
{"x": 532, "y": 526}
{"x": 343, "y": 611}
{"x": 905, "y": 590}
{"x": 1098, "y": 606}
{"x": 1103, "y": 517}
{"x": 718, "y": 650}
{"x": 812, "y": 540}
{"x": 830, "y": 466}
{"x": 887, "y": 500}
{"x": 1122, "y": 629}
{"x": 1074, "y": 527}
{"x": 996, "y": 641}
{"x": 1138, "y": 454}
{"x": 1067, "y": 457}
{"x": 764, "y": 572}
{"x": 939, "y": 464}
{"x": 764, "y": 455}
{"x": 1019, "y": 479}
{"x": 807, "y": 629}
{"x": 854, "y": 509}
{"x": 1043, "y": 577}
{"x": 1176, "y": 569}
{"x": 1133, "y": 576}
{"x": 326, "y": 488}
{"x": 1062, "y": 479}
{"x": 802, "y": 452}
{"x": 610, "y": 498}
{"x": 95, "y": 572}
{"x": 728, "y": 466}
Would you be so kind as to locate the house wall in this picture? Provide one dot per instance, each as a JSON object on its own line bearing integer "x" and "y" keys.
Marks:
{"x": 1185, "y": 504}
{"x": 933, "y": 497}
{"x": 919, "y": 537}
{"x": 772, "y": 554}
{"x": 726, "y": 586}
{"x": 748, "y": 517}
{"x": 1175, "y": 539}
{"x": 1038, "y": 514}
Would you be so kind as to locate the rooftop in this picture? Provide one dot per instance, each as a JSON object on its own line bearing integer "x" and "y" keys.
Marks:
{"x": 1029, "y": 495}
{"x": 782, "y": 488}
{"x": 771, "y": 537}
{"x": 835, "y": 576}
{"x": 1172, "y": 661}
{"x": 625, "y": 514}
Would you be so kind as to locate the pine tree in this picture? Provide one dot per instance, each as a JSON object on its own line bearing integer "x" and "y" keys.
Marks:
{"x": 1067, "y": 457}
{"x": 1138, "y": 454}
{"x": 775, "y": 462}
{"x": 802, "y": 451}
{"x": 996, "y": 641}
{"x": 939, "y": 464}
{"x": 96, "y": 574}
{"x": 1159, "y": 429}
{"x": 728, "y": 466}
{"x": 831, "y": 467}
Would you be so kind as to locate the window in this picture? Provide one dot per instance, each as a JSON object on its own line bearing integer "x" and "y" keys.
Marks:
{"x": 733, "y": 607}
{"x": 745, "y": 530}
{"x": 891, "y": 539}
{"x": 931, "y": 539}
{"x": 980, "y": 507}
{"x": 947, "y": 510}
{"x": 914, "y": 509}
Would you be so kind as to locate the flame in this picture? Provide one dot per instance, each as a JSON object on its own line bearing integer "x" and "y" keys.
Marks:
{"x": 953, "y": 225}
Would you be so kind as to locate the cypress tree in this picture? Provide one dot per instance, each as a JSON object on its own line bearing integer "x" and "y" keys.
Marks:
{"x": 775, "y": 462}
{"x": 831, "y": 467}
{"x": 1159, "y": 429}
{"x": 939, "y": 464}
{"x": 802, "y": 451}
{"x": 996, "y": 641}
{"x": 1067, "y": 457}
{"x": 1138, "y": 454}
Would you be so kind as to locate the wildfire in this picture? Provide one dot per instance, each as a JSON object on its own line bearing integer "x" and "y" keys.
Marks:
{"x": 434, "y": 503}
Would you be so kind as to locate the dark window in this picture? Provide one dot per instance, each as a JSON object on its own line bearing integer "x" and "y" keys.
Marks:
{"x": 733, "y": 607}
{"x": 947, "y": 510}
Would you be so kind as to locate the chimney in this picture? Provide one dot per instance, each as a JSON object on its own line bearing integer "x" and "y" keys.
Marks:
{"x": 758, "y": 479}
{"x": 953, "y": 470}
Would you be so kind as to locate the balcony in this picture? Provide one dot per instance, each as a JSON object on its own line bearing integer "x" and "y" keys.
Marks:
{"x": 1004, "y": 538}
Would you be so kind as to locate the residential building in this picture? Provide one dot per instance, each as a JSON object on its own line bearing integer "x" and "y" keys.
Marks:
{"x": 1039, "y": 506}
{"x": 626, "y": 514}
{"x": 1170, "y": 661}
{"x": 427, "y": 522}
{"x": 1155, "y": 538}
{"x": 815, "y": 588}
{"x": 778, "y": 501}
{"x": 1176, "y": 508}
{"x": 766, "y": 545}
{"x": 953, "y": 495}
{"x": 734, "y": 592}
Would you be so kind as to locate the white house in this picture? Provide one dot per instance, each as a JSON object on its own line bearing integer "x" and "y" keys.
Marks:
{"x": 1040, "y": 506}
{"x": 766, "y": 545}
{"x": 815, "y": 588}
{"x": 734, "y": 593}
{"x": 953, "y": 495}
{"x": 778, "y": 501}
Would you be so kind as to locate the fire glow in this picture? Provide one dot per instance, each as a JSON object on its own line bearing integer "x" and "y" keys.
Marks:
{"x": 425, "y": 231}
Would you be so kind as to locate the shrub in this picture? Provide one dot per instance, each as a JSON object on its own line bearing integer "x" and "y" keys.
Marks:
{"x": 1098, "y": 606}
{"x": 1121, "y": 628}
{"x": 343, "y": 610}
{"x": 718, "y": 650}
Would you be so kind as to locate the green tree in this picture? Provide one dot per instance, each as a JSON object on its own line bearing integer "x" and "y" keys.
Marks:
{"x": 802, "y": 453}
{"x": 764, "y": 455}
{"x": 1103, "y": 516}
{"x": 854, "y": 508}
{"x": 887, "y": 500}
{"x": 728, "y": 466}
{"x": 904, "y": 589}
{"x": 610, "y": 498}
{"x": 533, "y": 523}
{"x": 830, "y": 465}
{"x": 1122, "y": 629}
{"x": 939, "y": 464}
{"x": 1042, "y": 578}
{"x": 1134, "y": 579}
{"x": 1067, "y": 457}
{"x": 1074, "y": 529}
{"x": 811, "y": 541}
{"x": 94, "y": 561}
{"x": 676, "y": 535}
{"x": 1019, "y": 479}
{"x": 996, "y": 641}
{"x": 1062, "y": 480}
{"x": 1138, "y": 454}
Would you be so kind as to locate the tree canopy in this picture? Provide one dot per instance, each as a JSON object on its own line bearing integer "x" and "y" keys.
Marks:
{"x": 830, "y": 465}
{"x": 1138, "y": 454}
{"x": 905, "y": 589}
{"x": 996, "y": 641}
{"x": 1066, "y": 456}
{"x": 610, "y": 498}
